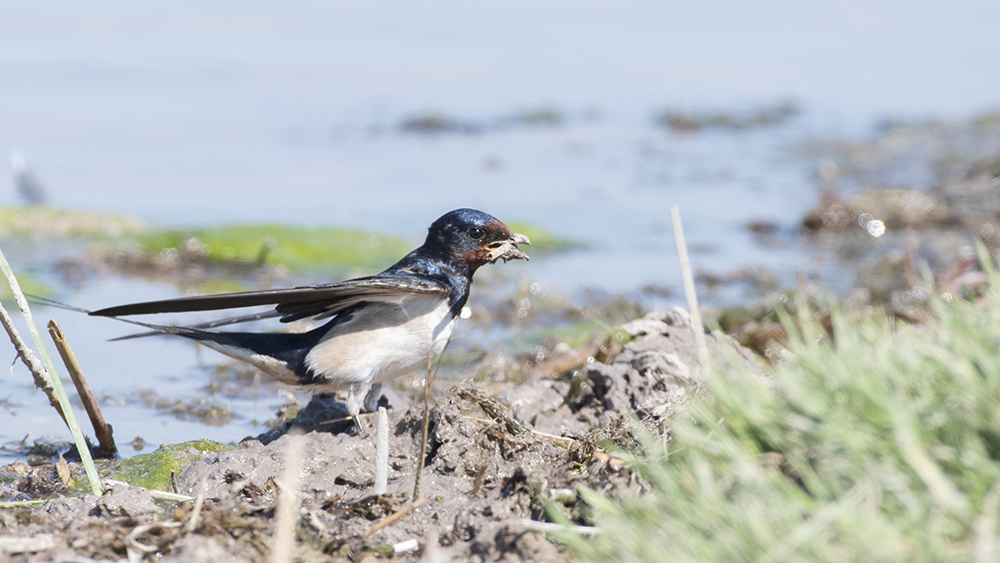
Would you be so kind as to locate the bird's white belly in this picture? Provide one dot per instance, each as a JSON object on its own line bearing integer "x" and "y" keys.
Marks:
{"x": 383, "y": 342}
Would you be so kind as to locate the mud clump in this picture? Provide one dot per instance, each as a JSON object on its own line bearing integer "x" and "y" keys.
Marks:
{"x": 498, "y": 464}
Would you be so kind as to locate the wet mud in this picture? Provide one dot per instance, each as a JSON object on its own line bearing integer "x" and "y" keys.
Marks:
{"x": 899, "y": 215}
{"x": 510, "y": 447}
{"x": 501, "y": 459}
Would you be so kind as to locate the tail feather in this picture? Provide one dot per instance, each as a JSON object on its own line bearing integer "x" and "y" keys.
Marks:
{"x": 288, "y": 348}
{"x": 283, "y": 355}
{"x": 157, "y": 329}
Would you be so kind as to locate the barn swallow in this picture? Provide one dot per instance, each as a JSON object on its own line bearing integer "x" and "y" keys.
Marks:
{"x": 380, "y": 327}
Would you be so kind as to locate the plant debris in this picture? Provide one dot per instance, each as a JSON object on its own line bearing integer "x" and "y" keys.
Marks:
{"x": 483, "y": 483}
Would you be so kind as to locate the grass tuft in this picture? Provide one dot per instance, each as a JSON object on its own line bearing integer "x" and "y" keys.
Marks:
{"x": 880, "y": 443}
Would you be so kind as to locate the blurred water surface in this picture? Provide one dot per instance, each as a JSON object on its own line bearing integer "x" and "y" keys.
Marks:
{"x": 196, "y": 113}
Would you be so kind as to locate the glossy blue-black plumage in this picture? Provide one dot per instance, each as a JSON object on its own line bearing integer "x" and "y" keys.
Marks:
{"x": 457, "y": 244}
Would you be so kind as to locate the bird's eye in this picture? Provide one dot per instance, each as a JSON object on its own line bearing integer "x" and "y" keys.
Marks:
{"x": 476, "y": 233}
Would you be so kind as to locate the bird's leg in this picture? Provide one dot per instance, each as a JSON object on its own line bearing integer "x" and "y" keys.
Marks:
{"x": 357, "y": 425}
{"x": 357, "y": 396}
{"x": 371, "y": 399}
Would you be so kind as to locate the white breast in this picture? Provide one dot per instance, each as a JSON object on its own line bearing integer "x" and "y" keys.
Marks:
{"x": 382, "y": 342}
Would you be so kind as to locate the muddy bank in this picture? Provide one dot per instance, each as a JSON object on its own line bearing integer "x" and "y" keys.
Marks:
{"x": 915, "y": 196}
{"x": 499, "y": 462}
{"x": 898, "y": 217}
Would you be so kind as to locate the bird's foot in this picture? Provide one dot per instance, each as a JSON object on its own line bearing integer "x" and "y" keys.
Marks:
{"x": 357, "y": 426}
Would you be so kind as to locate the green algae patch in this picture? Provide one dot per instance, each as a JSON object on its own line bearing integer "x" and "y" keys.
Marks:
{"x": 152, "y": 470}
{"x": 544, "y": 241}
{"x": 50, "y": 223}
{"x": 296, "y": 248}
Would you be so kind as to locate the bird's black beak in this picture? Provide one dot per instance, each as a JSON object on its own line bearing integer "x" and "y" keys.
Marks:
{"x": 507, "y": 249}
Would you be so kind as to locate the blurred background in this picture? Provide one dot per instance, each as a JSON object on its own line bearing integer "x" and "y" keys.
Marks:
{"x": 582, "y": 121}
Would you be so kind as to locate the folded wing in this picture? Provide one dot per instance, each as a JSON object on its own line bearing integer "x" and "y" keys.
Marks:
{"x": 296, "y": 302}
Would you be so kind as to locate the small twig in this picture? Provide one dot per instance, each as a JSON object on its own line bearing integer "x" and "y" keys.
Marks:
{"x": 34, "y": 365}
{"x": 537, "y": 526}
{"x": 426, "y": 427}
{"x": 199, "y": 502}
{"x": 157, "y": 495}
{"x": 692, "y": 297}
{"x": 561, "y": 441}
{"x": 22, "y": 503}
{"x": 342, "y": 419}
{"x": 477, "y": 485}
{"x": 287, "y": 511}
{"x": 405, "y": 546}
{"x": 164, "y": 495}
{"x": 50, "y": 368}
{"x": 428, "y": 381}
{"x": 388, "y": 520}
{"x": 382, "y": 452}
{"x": 101, "y": 428}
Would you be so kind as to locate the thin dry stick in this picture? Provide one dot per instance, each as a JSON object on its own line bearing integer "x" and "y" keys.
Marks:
{"x": 561, "y": 441}
{"x": 50, "y": 367}
{"x": 480, "y": 478}
{"x": 101, "y": 428}
{"x": 23, "y": 503}
{"x": 157, "y": 495}
{"x": 393, "y": 517}
{"x": 199, "y": 502}
{"x": 427, "y": 426}
{"x": 382, "y": 452}
{"x": 692, "y": 297}
{"x": 537, "y": 526}
{"x": 42, "y": 379}
{"x": 287, "y": 511}
{"x": 428, "y": 381}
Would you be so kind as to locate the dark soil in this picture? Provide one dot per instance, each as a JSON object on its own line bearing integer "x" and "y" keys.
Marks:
{"x": 498, "y": 463}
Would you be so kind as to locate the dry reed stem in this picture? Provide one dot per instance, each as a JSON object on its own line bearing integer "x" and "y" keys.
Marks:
{"x": 101, "y": 428}
{"x": 536, "y": 526}
{"x": 428, "y": 381}
{"x": 289, "y": 500}
{"x": 692, "y": 297}
{"x": 388, "y": 520}
{"x": 382, "y": 452}
{"x": 426, "y": 427}
{"x": 31, "y": 361}
{"x": 50, "y": 368}
{"x": 199, "y": 502}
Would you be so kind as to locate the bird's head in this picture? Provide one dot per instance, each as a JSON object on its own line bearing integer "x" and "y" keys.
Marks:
{"x": 474, "y": 238}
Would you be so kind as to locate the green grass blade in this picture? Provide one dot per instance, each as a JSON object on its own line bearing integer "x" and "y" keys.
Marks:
{"x": 67, "y": 407}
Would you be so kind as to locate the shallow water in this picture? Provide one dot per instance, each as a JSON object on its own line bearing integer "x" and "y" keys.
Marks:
{"x": 226, "y": 112}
